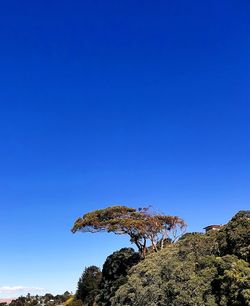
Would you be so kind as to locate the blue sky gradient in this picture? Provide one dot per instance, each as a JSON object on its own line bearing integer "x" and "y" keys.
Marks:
{"x": 116, "y": 102}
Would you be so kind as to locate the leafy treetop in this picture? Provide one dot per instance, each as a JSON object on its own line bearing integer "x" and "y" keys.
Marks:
{"x": 141, "y": 225}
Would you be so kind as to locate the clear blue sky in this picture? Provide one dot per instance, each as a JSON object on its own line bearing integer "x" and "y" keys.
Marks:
{"x": 116, "y": 102}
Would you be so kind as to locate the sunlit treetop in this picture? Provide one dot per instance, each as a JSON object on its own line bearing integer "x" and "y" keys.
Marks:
{"x": 141, "y": 225}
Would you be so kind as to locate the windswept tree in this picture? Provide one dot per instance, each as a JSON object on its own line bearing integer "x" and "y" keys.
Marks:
{"x": 141, "y": 225}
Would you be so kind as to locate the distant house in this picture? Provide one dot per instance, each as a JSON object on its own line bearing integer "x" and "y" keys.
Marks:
{"x": 213, "y": 227}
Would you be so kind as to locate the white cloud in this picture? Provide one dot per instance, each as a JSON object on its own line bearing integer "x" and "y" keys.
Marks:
{"x": 18, "y": 289}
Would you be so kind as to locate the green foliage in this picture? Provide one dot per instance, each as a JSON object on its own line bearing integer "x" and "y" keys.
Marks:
{"x": 235, "y": 237}
{"x": 114, "y": 273}
{"x": 199, "y": 270}
{"x": 88, "y": 284}
{"x": 231, "y": 281}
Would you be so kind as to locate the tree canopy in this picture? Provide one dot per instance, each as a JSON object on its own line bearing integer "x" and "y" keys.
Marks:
{"x": 141, "y": 225}
{"x": 87, "y": 287}
{"x": 114, "y": 274}
{"x": 201, "y": 269}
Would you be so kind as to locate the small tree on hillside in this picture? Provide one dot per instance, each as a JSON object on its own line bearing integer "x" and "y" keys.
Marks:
{"x": 114, "y": 273}
{"x": 87, "y": 287}
{"x": 141, "y": 225}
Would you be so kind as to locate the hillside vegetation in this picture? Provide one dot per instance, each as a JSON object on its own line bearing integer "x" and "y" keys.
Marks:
{"x": 211, "y": 269}
{"x": 199, "y": 270}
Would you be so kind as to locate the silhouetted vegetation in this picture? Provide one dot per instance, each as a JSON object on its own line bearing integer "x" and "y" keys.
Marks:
{"x": 88, "y": 284}
{"x": 114, "y": 273}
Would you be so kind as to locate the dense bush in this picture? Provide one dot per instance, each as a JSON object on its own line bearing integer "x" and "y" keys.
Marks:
{"x": 88, "y": 284}
{"x": 114, "y": 273}
{"x": 235, "y": 238}
{"x": 200, "y": 270}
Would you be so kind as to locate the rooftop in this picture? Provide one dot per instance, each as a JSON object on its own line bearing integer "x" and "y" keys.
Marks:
{"x": 213, "y": 226}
